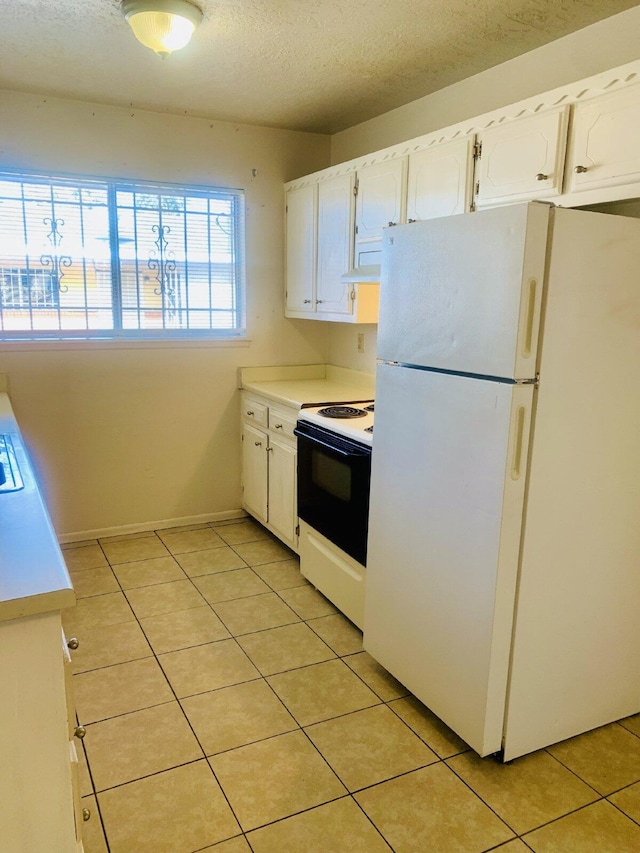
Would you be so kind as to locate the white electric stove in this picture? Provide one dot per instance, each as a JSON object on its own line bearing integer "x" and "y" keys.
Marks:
{"x": 351, "y": 420}
{"x": 334, "y": 469}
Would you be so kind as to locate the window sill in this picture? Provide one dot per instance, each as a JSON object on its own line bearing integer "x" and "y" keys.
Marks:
{"x": 120, "y": 343}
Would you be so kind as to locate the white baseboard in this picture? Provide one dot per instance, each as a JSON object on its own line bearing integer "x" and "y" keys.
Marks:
{"x": 143, "y": 527}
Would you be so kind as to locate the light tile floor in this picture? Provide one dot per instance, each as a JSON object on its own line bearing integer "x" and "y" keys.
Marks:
{"x": 230, "y": 708}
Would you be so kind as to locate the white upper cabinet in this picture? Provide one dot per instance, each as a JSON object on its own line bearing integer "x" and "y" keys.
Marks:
{"x": 335, "y": 244}
{"x": 334, "y": 237}
{"x": 301, "y": 212}
{"x": 381, "y": 201}
{"x": 522, "y": 159}
{"x": 440, "y": 180}
{"x": 605, "y": 149}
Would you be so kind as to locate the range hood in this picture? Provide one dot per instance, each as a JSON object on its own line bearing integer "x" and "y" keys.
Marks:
{"x": 364, "y": 273}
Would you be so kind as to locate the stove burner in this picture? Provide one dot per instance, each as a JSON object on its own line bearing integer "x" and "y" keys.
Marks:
{"x": 369, "y": 408}
{"x": 341, "y": 412}
{"x": 368, "y": 429}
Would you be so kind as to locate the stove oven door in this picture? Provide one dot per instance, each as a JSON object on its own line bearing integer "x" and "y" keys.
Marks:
{"x": 333, "y": 487}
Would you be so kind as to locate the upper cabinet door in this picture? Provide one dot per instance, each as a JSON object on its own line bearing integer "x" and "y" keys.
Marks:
{"x": 440, "y": 180}
{"x": 335, "y": 244}
{"x": 301, "y": 205}
{"x": 381, "y": 201}
{"x": 522, "y": 159}
{"x": 605, "y": 150}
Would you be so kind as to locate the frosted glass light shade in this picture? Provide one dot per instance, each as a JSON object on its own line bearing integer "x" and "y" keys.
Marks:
{"x": 162, "y": 25}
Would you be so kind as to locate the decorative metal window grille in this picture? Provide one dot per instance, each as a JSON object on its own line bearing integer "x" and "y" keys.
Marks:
{"x": 94, "y": 258}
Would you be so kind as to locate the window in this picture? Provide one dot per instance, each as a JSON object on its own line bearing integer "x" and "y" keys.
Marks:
{"x": 95, "y": 258}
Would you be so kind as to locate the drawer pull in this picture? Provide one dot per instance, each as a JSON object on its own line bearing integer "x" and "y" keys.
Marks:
{"x": 86, "y": 814}
{"x": 579, "y": 170}
{"x": 73, "y": 643}
{"x": 80, "y": 732}
{"x": 307, "y": 302}
{"x": 258, "y": 443}
{"x": 542, "y": 177}
{"x": 250, "y": 414}
{"x": 277, "y": 426}
{"x": 269, "y": 449}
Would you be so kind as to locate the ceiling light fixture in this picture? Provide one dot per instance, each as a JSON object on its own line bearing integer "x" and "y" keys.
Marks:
{"x": 162, "y": 25}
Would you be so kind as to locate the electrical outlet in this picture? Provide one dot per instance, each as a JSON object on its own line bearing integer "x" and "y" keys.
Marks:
{"x": 360, "y": 341}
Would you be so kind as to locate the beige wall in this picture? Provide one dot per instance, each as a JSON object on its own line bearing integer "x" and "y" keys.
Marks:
{"x": 141, "y": 434}
{"x": 594, "y": 49}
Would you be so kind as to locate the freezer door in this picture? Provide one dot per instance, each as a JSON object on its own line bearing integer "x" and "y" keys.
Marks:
{"x": 463, "y": 293}
{"x": 447, "y": 490}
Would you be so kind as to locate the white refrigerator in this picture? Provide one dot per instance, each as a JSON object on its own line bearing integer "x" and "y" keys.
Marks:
{"x": 503, "y": 568}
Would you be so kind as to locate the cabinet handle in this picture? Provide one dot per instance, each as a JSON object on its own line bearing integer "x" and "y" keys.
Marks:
{"x": 73, "y": 643}
{"x": 278, "y": 426}
{"x": 580, "y": 169}
{"x": 250, "y": 414}
{"x": 542, "y": 177}
{"x": 412, "y": 220}
{"x": 307, "y": 302}
{"x": 258, "y": 443}
{"x": 86, "y": 814}
{"x": 391, "y": 224}
{"x": 269, "y": 449}
{"x": 318, "y": 301}
{"x": 80, "y": 731}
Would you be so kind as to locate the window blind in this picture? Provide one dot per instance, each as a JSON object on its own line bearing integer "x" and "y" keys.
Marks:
{"x": 86, "y": 257}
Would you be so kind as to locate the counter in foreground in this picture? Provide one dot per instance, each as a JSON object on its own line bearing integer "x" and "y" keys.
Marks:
{"x": 33, "y": 576}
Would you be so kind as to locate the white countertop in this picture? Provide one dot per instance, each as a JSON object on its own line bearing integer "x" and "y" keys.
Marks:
{"x": 33, "y": 575}
{"x": 308, "y": 385}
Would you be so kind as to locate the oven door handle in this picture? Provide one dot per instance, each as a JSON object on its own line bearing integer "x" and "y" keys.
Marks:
{"x": 332, "y": 447}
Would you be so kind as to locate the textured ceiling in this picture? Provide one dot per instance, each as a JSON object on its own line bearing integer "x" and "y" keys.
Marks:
{"x": 321, "y": 65}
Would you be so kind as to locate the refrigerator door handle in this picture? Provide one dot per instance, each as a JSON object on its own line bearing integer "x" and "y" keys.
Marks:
{"x": 527, "y": 339}
{"x": 516, "y": 463}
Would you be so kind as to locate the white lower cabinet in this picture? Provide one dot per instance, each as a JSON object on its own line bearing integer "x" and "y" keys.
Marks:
{"x": 255, "y": 472}
{"x": 282, "y": 489}
{"x": 269, "y": 466}
{"x": 40, "y": 808}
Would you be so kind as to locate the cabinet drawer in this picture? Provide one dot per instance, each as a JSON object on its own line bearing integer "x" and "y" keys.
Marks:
{"x": 282, "y": 423}
{"x": 255, "y": 412}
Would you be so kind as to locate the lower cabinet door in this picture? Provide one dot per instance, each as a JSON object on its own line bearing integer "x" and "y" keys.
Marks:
{"x": 254, "y": 471}
{"x": 282, "y": 488}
